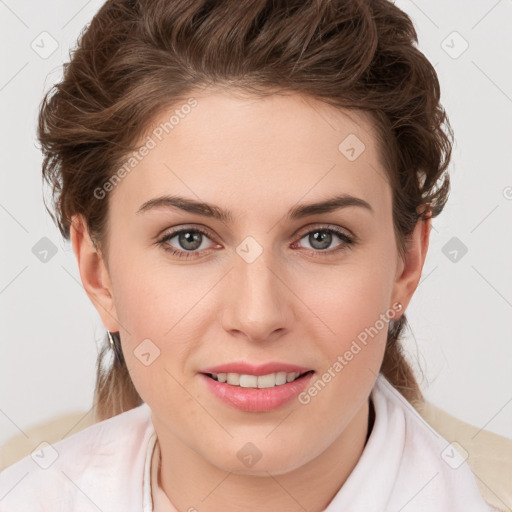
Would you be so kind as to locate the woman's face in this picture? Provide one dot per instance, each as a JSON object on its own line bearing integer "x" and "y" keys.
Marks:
{"x": 266, "y": 284}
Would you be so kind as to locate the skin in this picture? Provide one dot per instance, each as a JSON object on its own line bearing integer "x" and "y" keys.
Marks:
{"x": 258, "y": 158}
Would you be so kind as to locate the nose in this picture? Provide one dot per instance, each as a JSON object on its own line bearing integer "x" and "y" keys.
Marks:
{"x": 258, "y": 302}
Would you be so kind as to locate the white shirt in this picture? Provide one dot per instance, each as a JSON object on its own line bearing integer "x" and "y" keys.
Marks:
{"x": 112, "y": 466}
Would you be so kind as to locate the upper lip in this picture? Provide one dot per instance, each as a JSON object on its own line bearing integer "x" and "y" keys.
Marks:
{"x": 243, "y": 368}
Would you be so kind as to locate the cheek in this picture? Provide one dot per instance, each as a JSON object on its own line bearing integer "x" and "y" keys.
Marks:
{"x": 344, "y": 301}
{"x": 150, "y": 296}
{"x": 351, "y": 355}
{"x": 154, "y": 342}
{"x": 350, "y": 325}
{"x": 143, "y": 317}
{"x": 161, "y": 316}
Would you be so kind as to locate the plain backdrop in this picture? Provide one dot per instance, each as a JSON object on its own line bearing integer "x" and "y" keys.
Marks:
{"x": 461, "y": 330}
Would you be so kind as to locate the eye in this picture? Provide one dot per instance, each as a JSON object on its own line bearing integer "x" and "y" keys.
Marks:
{"x": 322, "y": 237}
{"x": 191, "y": 239}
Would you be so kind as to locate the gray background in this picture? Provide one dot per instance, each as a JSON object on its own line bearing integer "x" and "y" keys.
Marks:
{"x": 460, "y": 315}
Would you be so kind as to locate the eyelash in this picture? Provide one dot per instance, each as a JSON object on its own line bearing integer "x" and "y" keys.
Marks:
{"x": 348, "y": 241}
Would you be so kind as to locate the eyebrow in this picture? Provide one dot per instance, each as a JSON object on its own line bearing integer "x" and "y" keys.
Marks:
{"x": 298, "y": 212}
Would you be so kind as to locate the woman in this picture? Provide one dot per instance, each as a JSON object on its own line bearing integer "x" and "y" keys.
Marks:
{"x": 248, "y": 188}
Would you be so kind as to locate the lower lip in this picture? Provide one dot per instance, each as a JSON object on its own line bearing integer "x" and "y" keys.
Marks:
{"x": 257, "y": 400}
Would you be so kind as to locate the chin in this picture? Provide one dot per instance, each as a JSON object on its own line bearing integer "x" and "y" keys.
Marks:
{"x": 250, "y": 460}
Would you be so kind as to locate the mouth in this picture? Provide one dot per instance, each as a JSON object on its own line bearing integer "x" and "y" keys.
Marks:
{"x": 269, "y": 380}
{"x": 264, "y": 392}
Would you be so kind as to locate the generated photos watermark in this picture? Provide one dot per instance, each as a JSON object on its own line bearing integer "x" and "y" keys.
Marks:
{"x": 157, "y": 135}
{"x": 344, "y": 359}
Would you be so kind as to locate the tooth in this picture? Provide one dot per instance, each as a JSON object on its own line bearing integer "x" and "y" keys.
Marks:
{"x": 280, "y": 378}
{"x": 267, "y": 381}
{"x": 233, "y": 379}
{"x": 253, "y": 381}
{"x": 248, "y": 381}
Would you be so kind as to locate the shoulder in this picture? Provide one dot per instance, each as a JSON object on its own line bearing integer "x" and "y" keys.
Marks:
{"x": 489, "y": 455}
{"x": 94, "y": 468}
{"x": 432, "y": 469}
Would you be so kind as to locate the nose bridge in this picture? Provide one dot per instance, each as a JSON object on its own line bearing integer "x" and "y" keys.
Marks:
{"x": 257, "y": 303}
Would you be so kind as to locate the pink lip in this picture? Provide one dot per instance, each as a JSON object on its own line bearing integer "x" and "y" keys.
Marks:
{"x": 256, "y": 400}
{"x": 249, "y": 369}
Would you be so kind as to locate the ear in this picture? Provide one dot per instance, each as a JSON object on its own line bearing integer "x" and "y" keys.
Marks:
{"x": 410, "y": 267}
{"x": 94, "y": 273}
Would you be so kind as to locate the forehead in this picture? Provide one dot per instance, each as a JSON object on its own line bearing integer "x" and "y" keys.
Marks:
{"x": 222, "y": 147}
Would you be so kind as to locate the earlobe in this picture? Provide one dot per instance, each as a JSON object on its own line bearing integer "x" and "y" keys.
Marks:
{"x": 410, "y": 268}
{"x": 93, "y": 273}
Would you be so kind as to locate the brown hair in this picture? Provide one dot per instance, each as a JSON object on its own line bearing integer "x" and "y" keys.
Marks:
{"x": 139, "y": 57}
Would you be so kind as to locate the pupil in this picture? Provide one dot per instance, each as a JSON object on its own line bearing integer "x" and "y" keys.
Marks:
{"x": 190, "y": 241}
{"x": 321, "y": 239}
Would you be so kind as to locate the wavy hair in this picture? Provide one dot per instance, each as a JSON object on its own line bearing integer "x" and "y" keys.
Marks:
{"x": 139, "y": 57}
